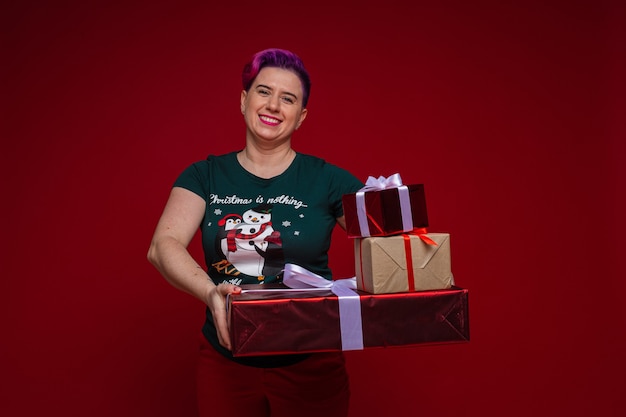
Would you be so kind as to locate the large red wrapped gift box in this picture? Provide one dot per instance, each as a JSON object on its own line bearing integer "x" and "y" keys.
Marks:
{"x": 266, "y": 321}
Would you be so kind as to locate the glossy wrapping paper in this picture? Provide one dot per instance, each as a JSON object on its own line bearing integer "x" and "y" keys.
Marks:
{"x": 286, "y": 321}
{"x": 384, "y": 211}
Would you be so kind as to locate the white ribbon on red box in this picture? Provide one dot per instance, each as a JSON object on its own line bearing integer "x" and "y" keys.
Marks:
{"x": 378, "y": 184}
{"x": 297, "y": 277}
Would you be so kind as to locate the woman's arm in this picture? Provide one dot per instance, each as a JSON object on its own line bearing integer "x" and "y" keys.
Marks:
{"x": 168, "y": 253}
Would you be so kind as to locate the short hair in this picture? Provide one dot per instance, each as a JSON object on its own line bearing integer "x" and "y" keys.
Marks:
{"x": 278, "y": 58}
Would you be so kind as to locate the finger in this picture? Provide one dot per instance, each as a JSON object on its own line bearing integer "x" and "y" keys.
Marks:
{"x": 224, "y": 339}
{"x": 221, "y": 289}
{"x": 224, "y": 289}
{"x": 219, "y": 313}
{"x": 221, "y": 325}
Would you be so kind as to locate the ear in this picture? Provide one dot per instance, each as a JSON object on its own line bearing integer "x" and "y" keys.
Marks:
{"x": 244, "y": 96}
{"x": 303, "y": 114}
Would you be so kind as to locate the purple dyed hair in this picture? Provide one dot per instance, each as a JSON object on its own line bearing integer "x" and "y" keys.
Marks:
{"x": 278, "y": 58}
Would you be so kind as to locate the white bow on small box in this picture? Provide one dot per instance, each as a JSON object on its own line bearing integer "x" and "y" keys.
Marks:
{"x": 379, "y": 184}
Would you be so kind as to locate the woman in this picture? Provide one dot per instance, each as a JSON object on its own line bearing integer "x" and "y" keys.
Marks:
{"x": 258, "y": 208}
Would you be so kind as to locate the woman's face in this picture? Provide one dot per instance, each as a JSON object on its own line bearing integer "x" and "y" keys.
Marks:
{"x": 272, "y": 108}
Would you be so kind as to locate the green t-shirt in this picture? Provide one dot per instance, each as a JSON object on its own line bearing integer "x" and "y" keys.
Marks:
{"x": 253, "y": 226}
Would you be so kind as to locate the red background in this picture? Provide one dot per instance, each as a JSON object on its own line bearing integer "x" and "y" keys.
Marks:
{"x": 511, "y": 114}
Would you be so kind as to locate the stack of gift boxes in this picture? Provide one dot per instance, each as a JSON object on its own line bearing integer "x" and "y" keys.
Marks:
{"x": 404, "y": 290}
{"x": 392, "y": 249}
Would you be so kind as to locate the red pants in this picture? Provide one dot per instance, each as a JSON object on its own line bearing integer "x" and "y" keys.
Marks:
{"x": 317, "y": 386}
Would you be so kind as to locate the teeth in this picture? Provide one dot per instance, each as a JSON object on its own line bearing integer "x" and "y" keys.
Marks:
{"x": 269, "y": 119}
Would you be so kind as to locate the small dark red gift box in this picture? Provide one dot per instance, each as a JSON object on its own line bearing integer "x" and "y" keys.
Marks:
{"x": 282, "y": 321}
{"x": 384, "y": 211}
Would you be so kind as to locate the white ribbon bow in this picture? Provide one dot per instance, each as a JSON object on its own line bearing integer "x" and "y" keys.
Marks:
{"x": 382, "y": 183}
{"x": 349, "y": 302}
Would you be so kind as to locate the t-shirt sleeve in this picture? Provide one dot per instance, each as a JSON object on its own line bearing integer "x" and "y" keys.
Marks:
{"x": 195, "y": 179}
{"x": 341, "y": 182}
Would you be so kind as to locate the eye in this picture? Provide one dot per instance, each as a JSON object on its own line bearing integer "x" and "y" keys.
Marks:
{"x": 288, "y": 99}
{"x": 263, "y": 92}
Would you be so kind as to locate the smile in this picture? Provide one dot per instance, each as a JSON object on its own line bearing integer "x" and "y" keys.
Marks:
{"x": 269, "y": 120}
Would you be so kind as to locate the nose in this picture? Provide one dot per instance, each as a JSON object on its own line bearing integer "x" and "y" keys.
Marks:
{"x": 273, "y": 103}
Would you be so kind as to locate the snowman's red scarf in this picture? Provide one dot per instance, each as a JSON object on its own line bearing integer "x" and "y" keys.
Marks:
{"x": 236, "y": 234}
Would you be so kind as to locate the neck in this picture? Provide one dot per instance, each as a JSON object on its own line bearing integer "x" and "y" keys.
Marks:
{"x": 266, "y": 164}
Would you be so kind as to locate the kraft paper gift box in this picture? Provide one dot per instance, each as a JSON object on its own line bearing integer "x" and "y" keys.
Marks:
{"x": 403, "y": 263}
{"x": 383, "y": 212}
{"x": 286, "y": 321}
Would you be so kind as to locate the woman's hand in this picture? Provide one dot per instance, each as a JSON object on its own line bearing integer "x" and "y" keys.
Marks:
{"x": 216, "y": 300}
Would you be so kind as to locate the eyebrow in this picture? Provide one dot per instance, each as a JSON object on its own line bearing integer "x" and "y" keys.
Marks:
{"x": 270, "y": 88}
